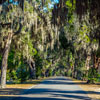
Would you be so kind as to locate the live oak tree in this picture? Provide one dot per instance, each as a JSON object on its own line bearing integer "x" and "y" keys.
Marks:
{"x": 10, "y": 17}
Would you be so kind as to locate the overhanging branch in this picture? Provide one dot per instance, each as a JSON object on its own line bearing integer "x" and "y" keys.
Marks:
{"x": 9, "y": 25}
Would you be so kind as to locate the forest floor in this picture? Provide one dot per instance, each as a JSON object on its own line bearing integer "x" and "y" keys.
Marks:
{"x": 13, "y": 90}
{"x": 93, "y": 90}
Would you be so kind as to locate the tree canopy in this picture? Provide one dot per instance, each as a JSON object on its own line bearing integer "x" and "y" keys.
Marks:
{"x": 41, "y": 38}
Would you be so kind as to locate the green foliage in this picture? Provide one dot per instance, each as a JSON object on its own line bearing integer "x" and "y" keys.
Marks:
{"x": 8, "y": 75}
{"x": 84, "y": 30}
{"x": 22, "y": 74}
{"x": 22, "y": 71}
{"x": 69, "y": 73}
{"x": 39, "y": 65}
{"x": 50, "y": 72}
{"x": 13, "y": 75}
{"x": 92, "y": 75}
{"x": 11, "y": 60}
{"x": 98, "y": 52}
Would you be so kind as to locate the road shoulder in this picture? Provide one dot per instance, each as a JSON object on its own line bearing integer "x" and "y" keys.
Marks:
{"x": 14, "y": 90}
{"x": 92, "y": 90}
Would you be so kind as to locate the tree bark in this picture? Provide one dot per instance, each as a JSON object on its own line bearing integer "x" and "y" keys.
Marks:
{"x": 5, "y": 60}
{"x": 32, "y": 68}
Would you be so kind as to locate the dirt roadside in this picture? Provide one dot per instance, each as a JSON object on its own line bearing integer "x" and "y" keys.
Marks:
{"x": 92, "y": 90}
{"x": 13, "y": 90}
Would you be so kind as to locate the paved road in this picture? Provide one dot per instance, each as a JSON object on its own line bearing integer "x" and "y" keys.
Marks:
{"x": 59, "y": 88}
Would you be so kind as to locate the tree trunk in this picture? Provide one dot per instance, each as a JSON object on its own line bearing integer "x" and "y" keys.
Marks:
{"x": 32, "y": 68}
{"x": 73, "y": 72}
{"x": 4, "y": 60}
{"x": 99, "y": 68}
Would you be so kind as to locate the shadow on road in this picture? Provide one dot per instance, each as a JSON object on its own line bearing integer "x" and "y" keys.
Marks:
{"x": 62, "y": 81}
{"x": 54, "y": 93}
{"x": 32, "y": 98}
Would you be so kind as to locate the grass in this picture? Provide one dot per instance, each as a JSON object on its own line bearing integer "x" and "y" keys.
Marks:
{"x": 93, "y": 90}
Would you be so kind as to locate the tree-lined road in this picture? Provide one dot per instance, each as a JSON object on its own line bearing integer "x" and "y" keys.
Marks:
{"x": 59, "y": 88}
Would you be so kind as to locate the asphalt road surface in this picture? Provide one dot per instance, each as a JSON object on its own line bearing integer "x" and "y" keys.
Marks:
{"x": 58, "y": 88}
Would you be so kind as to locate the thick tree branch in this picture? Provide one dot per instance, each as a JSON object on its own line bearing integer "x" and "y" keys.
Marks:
{"x": 9, "y": 25}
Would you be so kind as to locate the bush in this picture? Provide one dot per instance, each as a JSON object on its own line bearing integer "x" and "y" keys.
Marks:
{"x": 69, "y": 73}
{"x": 13, "y": 75}
{"x": 98, "y": 77}
{"x": 92, "y": 75}
{"x": 22, "y": 74}
{"x": 50, "y": 72}
{"x": 8, "y": 75}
